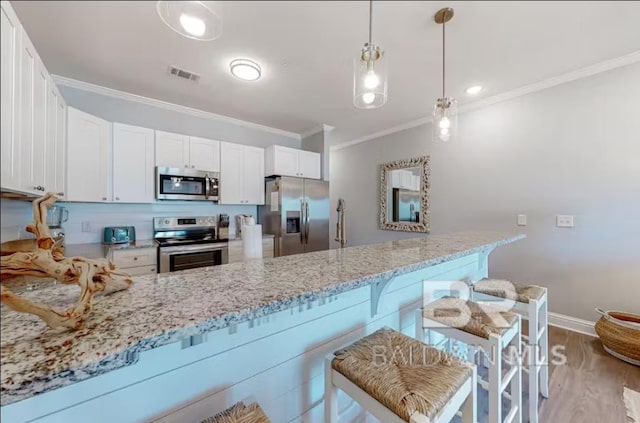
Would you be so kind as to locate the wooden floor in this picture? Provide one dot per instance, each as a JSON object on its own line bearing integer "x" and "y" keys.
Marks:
{"x": 589, "y": 387}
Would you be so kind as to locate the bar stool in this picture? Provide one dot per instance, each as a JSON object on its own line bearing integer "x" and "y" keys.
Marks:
{"x": 398, "y": 379}
{"x": 531, "y": 302}
{"x": 485, "y": 330}
{"x": 240, "y": 413}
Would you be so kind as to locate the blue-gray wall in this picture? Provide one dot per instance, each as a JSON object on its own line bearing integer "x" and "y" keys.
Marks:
{"x": 570, "y": 149}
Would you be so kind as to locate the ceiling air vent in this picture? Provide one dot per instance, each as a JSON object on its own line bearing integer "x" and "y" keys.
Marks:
{"x": 184, "y": 74}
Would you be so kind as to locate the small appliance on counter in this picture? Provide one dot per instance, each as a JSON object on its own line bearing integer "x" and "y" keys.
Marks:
{"x": 56, "y": 216}
{"x": 223, "y": 226}
{"x": 118, "y": 234}
{"x": 243, "y": 219}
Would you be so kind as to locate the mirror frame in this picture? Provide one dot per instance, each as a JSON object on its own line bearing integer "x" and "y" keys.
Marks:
{"x": 425, "y": 184}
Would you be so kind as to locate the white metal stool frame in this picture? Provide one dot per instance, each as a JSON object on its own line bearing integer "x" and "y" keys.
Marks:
{"x": 495, "y": 344}
{"x": 464, "y": 400}
{"x": 538, "y": 342}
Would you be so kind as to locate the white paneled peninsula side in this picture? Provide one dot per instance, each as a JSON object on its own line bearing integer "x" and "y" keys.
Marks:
{"x": 176, "y": 347}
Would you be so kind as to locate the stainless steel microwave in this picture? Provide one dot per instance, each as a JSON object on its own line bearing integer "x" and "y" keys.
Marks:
{"x": 186, "y": 184}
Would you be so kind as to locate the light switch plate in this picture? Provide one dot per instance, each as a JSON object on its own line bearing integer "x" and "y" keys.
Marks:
{"x": 564, "y": 221}
{"x": 522, "y": 220}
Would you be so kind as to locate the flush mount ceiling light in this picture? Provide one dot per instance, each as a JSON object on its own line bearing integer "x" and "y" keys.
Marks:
{"x": 370, "y": 73}
{"x": 199, "y": 20}
{"x": 245, "y": 69}
{"x": 445, "y": 111}
{"x": 474, "y": 90}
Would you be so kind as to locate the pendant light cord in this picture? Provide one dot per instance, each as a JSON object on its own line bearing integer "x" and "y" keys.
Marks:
{"x": 443, "y": 56}
{"x": 370, "y": 21}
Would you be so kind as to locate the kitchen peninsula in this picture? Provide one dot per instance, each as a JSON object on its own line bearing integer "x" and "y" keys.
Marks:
{"x": 178, "y": 347}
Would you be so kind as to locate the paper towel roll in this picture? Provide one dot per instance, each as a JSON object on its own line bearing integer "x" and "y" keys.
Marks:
{"x": 252, "y": 241}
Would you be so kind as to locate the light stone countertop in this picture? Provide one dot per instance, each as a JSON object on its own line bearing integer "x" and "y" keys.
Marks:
{"x": 161, "y": 309}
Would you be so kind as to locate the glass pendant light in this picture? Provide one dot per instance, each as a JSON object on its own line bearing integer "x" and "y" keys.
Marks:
{"x": 199, "y": 20}
{"x": 445, "y": 111}
{"x": 370, "y": 74}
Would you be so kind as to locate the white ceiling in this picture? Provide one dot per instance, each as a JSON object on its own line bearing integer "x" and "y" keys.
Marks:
{"x": 306, "y": 50}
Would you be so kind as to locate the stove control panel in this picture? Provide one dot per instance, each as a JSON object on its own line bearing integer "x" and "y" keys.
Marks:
{"x": 184, "y": 222}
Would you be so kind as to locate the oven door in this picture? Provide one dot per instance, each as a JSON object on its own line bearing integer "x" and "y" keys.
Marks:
{"x": 182, "y": 184}
{"x": 173, "y": 259}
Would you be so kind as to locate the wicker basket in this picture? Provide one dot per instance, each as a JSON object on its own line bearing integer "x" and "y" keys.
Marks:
{"x": 620, "y": 334}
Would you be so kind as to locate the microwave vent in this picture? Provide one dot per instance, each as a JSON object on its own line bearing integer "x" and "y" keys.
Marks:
{"x": 173, "y": 70}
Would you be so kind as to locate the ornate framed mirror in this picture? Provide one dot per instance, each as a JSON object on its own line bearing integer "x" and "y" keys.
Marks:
{"x": 404, "y": 195}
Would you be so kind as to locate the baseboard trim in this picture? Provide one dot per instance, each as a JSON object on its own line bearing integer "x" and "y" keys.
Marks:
{"x": 573, "y": 324}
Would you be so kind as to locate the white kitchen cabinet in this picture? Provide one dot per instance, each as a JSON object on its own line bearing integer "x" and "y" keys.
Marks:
{"x": 88, "y": 158}
{"x": 56, "y": 143}
{"x": 172, "y": 150}
{"x": 241, "y": 174}
{"x": 285, "y": 161}
{"x": 236, "y": 249}
{"x": 309, "y": 164}
{"x": 133, "y": 164}
{"x": 33, "y": 118}
{"x": 60, "y": 183}
{"x": 231, "y": 185}
{"x": 177, "y": 150}
{"x": 135, "y": 261}
{"x": 253, "y": 175}
{"x": 9, "y": 92}
{"x": 204, "y": 154}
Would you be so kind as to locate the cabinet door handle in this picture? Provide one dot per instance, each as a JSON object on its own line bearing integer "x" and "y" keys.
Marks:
{"x": 60, "y": 194}
{"x": 117, "y": 198}
{"x": 193, "y": 166}
{"x": 104, "y": 198}
{"x": 186, "y": 165}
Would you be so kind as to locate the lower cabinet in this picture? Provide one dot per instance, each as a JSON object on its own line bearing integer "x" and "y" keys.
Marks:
{"x": 135, "y": 261}
{"x": 236, "y": 250}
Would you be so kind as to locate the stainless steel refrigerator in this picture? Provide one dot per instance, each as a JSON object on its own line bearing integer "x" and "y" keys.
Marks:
{"x": 296, "y": 212}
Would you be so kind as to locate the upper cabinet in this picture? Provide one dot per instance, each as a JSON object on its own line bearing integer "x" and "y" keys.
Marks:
{"x": 172, "y": 150}
{"x": 33, "y": 116}
{"x": 88, "y": 161}
{"x": 177, "y": 150}
{"x": 309, "y": 164}
{"x": 10, "y": 91}
{"x": 285, "y": 161}
{"x": 241, "y": 174}
{"x": 133, "y": 166}
{"x": 56, "y": 150}
{"x": 204, "y": 154}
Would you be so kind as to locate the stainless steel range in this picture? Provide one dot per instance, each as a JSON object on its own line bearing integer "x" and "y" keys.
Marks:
{"x": 188, "y": 243}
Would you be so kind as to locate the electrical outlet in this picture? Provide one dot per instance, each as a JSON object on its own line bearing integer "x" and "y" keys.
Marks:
{"x": 564, "y": 221}
{"x": 86, "y": 226}
{"x": 522, "y": 220}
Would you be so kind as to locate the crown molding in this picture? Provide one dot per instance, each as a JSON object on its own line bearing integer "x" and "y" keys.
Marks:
{"x": 122, "y": 95}
{"x": 595, "y": 69}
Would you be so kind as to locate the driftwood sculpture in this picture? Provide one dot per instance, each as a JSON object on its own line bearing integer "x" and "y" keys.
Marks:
{"x": 47, "y": 261}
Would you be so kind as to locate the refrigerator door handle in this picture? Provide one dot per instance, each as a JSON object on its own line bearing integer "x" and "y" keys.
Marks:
{"x": 307, "y": 221}
{"x": 302, "y": 222}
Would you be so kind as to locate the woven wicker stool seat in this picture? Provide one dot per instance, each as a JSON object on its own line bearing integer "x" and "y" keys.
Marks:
{"x": 505, "y": 289}
{"x": 470, "y": 317}
{"x": 240, "y": 413}
{"x": 403, "y": 374}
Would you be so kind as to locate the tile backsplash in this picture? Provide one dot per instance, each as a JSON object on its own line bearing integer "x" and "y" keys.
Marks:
{"x": 15, "y": 215}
